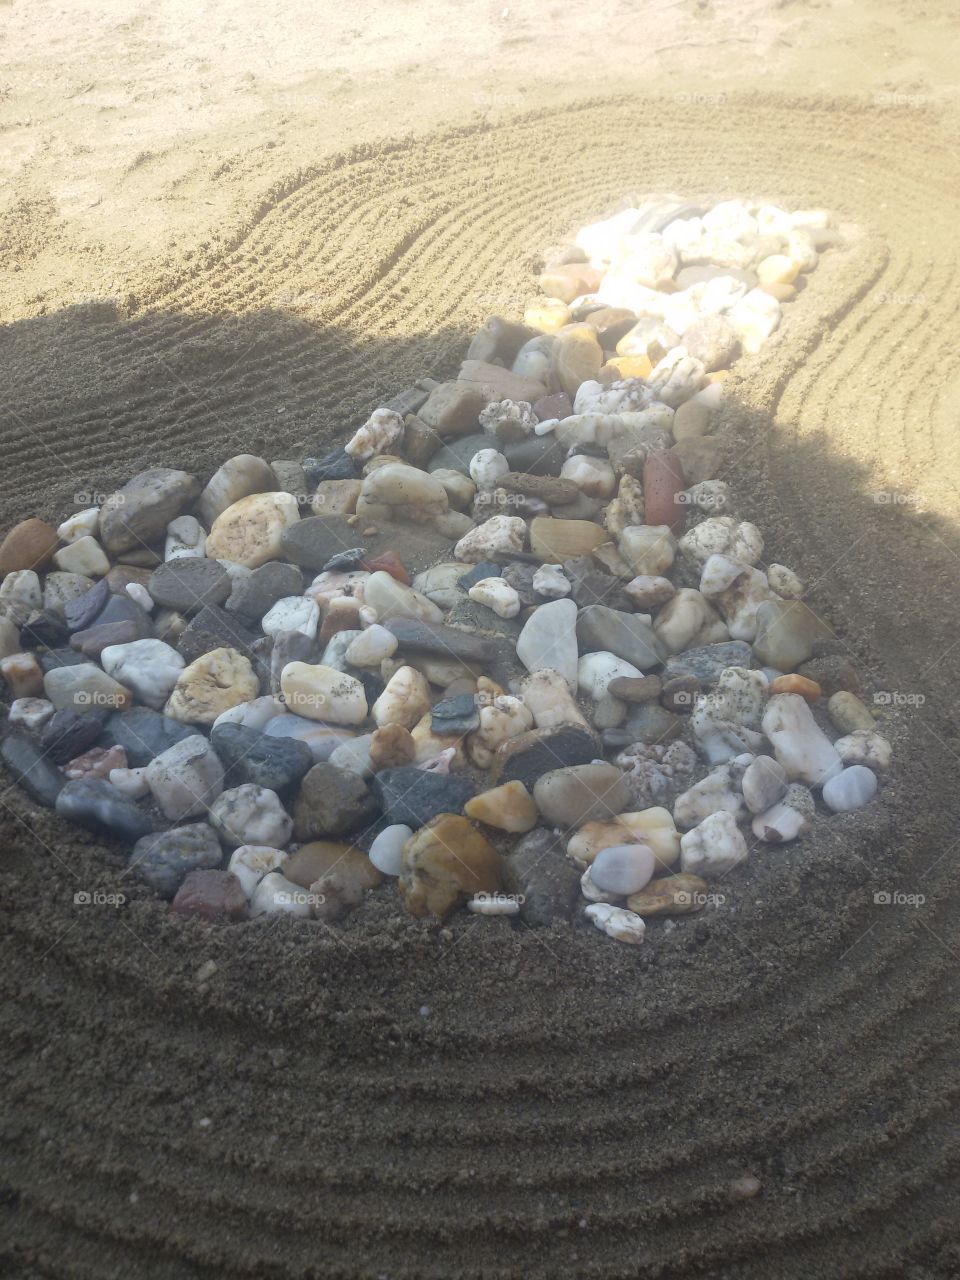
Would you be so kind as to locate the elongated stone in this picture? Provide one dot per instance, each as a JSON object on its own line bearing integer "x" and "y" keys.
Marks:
{"x": 100, "y": 807}
{"x": 31, "y": 767}
{"x": 548, "y": 640}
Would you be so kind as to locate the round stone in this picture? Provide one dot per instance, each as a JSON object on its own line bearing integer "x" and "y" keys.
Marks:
{"x": 623, "y": 869}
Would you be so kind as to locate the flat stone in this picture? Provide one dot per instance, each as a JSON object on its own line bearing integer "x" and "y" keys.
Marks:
{"x": 549, "y": 640}
{"x": 187, "y": 584}
{"x": 457, "y": 455}
{"x": 554, "y": 541}
{"x": 530, "y": 755}
{"x": 603, "y": 630}
{"x": 102, "y": 635}
{"x": 436, "y": 638}
{"x": 85, "y": 688}
{"x": 590, "y": 585}
{"x": 496, "y": 383}
{"x": 267, "y": 761}
{"x": 143, "y": 734}
{"x": 786, "y": 633}
{"x": 81, "y": 611}
{"x": 140, "y": 510}
{"x": 414, "y": 796}
{"x": 69, "y": 732}
{"x": 100, "y": 807}
{"x": 484, "y": 569}
{"x": 31, "y": 767}
{"x": 53, "y": 658}
{"x": 635, "y": 688}
{"x": 332, "y": 802}
{"x": 550, "y": 489}
{"x": 164, "y": 860}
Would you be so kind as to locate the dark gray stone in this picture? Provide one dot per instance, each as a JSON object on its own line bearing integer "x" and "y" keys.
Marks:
{"x": 95, "y": 804}
{"x": 539, "y": 872}
{"x": 287, "y": 647}
{"x": 251, "y": 756}
{"x": 68, "y": 733}
{"x": 336, "y": 465}
{"x": 140, "y": 511}
{"x": 530, "y": 755}
{"x": 591, "y": 585}
{"x": 709, "y": 660}
{"x": 255, "y": 595}
{"x": 434, "y": 637}
{"x": 188, "y": 583}
{"x": 414, "y": 796}
{"x": 165, "y": 859}
{"x": 458, "y": 714}
{"x": 541, "y": 455}
{"x": 458, "y": 454}
{"x": 45, "y": 630}
{"x": 143, "y": 734}
{"x": 214, "y": 628}
{"x": 55, "y": 658}
{"x": 80, "y": 612}
{"x": 30, "y": 766}
{"x": 603, "y": 630}
{"x": 485, "y": 569}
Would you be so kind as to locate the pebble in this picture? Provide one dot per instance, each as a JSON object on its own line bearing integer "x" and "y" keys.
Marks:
{"x": 143, "y": 733}
{"x": 714, "y": 847}
{"x": 496, "y": 594}
{"x": 500, "y": 535}
{"x": 213, "y": 895}
{"x": 788, "y": 818}
{"x": 96, "y": 805}
{"x": 237, "y": 478}
{"x": 849, "y": 714}
{"x": 85, "y": 687}
{"x": 592, "y": 476}
{"x": 677, "y": 895}
{"x": 253, "y": 594}
{"x": 458, "y": 714}
{"x": 662, "y": 481}
{"x": 59, "y": 588}
{"x": 80, "y": 525}
{"x": 444, "y": 864}
{"x": 404, "y": 701}
{"x": 718, "y": 792}
{"x": 130, "y": 782}
{"x": 555, "y": 541}
{"x": 251, "y": 756}
{"x": 800, "y": 745}
{"x": 138, "y": 513}
{"x": 386, "y": 852}
{"x": 852, "y": 788}
{"x": 29, "y": 545}
{"x": 140, "y": 596}
{"x": 396, "y": 491}
{"x": 32, "y": 712}
{"x": 413, "y": 796}
{"x": 332, "y": 801}
{"x": 649, "y": 549}
{"x": 23, "y": 674}
{"x": 186, "y": 778}
{"x": 39, "y": 776}
{"x": 509, "y": 807}
{"x": 600, "y": 629}
{"x": 637, "y": 689}
{"x": 186, "y": 584}
{"x": 570, "y": 796}
{"x": 96, "y": 763}
{"x": 391, "y": 747}
{"x": 549, "y": 640}
{"x": 251, "y": 862}
{"x": 250, "y": 532}
{"x": 392, "y": 599}
{"x": 370, "y": 647}
{"x": 807, "y": 689}
{"x": 867, "y": 747}
{"x": 276, "y": 895}
{"x": 615, "y": 922}
{"x": 186, "y": 539}
{"x": 764, "y": 783}
{"x": 249, "y": 814}
{"x": 149, "y": 668}
{"x": 214, "y": 682}
{"x": 319, "y": 692}
{"x": 787, "y": 631}
{"x": 292, "y": 613}
{"x": 21, "y": 595}
{"x": 164, "y": 859}
{"x": 622, "y": 869}
{"x": 381, "y": 433}
{"x": 550, "y": 581}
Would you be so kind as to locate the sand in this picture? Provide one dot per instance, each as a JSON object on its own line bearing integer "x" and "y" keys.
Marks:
{"x": 396, "y": 1099}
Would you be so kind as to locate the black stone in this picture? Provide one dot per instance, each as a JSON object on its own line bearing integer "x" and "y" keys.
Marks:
{"x": 214, "y": 628}
{"x": 92, "y": 642}
{"x": 144, "y": 733}
{"x": 251, "y": 756}
{"x": 95, "y": 804}
{"x": 336, "y": 465}
{"x": 458, "y": 714}
{"x": 188, "y": 583}
{"x": 80, "y": 612}
{"x": 485, "y": 569}
{"x": 254, "y": 595}
{"x": 520, "y": 577}
{"x": 373, "y": 684}
{"x": 540, "y": 455}
{"x": 45, "y": 630}
{"x": 68, "y": 733}
{"x": 534, "y": 753}
{"x": 414, "y": 796}
{"x": 29, "y": 764}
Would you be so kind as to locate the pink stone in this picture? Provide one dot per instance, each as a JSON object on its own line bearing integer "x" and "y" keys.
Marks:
{"x": 212, "y": 895}
{"x": 662, "y": 481}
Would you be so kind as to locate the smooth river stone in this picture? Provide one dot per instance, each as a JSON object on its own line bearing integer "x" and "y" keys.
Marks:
{"x": 392, "y": 599}
{"x": 787, "y": 631}
{"x": 237, "y": 478}
{"x": 571, "y": 796}
{"x": 623, "y": 869}
{"x": 100, "y": 807}
{"x": 436, "y": 638}
{"x": 251, "y": 531}
{"x": 29, "y": 545}
{"x": 318, "y": 692}
{"x": 800, "y": 745}
{"x": 143, "y": 734}
{"x": 32, "y": 768}
{"x": 851, "y": 789}
{"x": 140, "y": 511}
{"x": 600, "y": 629}
{"x": 149, "y": 667}
{"x": 163, "y": 860}
{"x": 267, "y": 761}
{"x": 554, "y": 541}
{"x": 548, "y": 640}
{"x": 188, "y": 584}
{"x": 444, "y": 863}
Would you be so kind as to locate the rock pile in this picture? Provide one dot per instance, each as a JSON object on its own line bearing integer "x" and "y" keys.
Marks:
{"x": 510, "y": 647}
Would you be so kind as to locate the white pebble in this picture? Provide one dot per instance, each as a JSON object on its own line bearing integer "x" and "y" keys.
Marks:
{"x": 615, "y": 922}
{"x": 486, "y": 468}
{"x": 713, "y": 847}
{"x": 32, "y": 713}
{"x": 493, "y": 904}
{"x": 292, "y": 613}
{"x": 130, "y": 782}
{"x": 186, "y": 539}
{"x": 379, "y": 434}
{"x": 82, "y": 524}
{"x": 150, "y": 668}
{"x": 550, "y": 581}
{"x": 371, "y": 646}
{"x": 386, "y": 852}
{"x": 254, "y": 714}
{"x": 140, "y": 595}
{"x": 498, "y": 595}
{"x": 853, "y": 788}
{"x": 251, "y": 862}
{"x": 85, "y": 556}
{"x": 623, "y": 868}
{"x": 276, "y": 895}
{"x": 249, "y": 814}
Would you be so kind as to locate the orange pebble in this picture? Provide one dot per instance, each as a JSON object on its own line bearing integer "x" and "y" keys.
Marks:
{"x": 390, "y": 563}
{"x": 632, "y": 366}
{"x": 808, "y": 689}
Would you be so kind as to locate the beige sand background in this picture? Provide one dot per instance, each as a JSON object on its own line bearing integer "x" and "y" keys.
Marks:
{"x": 230, "y": 227}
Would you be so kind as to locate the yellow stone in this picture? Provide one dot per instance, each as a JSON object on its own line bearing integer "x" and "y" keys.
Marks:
{"x": 547, "y": 315}
{"x": 653, "y": 827}
{"x": 557, "y": 540}
{"x": 577, "y": 357}
{"x": 445, "y": 863}
{"x": 509, "y": 807}
{"x": 215, "y": 682}
{"x": 632, "y": 366}
{"x": 250, "y": 531}
{"x": 671, "y": 896}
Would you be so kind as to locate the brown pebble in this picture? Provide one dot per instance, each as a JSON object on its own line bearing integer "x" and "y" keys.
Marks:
{"x": 213, "y": 895}
{"x": 635, "y": 688}
{"x": 29, "y": 545}
{"x": 680, "y": 693}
